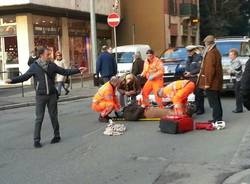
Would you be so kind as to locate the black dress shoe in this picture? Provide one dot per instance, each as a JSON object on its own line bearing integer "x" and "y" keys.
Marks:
{"x": 37, "y": 144}
{"x": 234, "y": 111}
{"x": 67, "y": 92}
{"x": 55, "y": 140}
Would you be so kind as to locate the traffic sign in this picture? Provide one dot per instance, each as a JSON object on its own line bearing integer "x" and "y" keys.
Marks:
{"x": 113, "y": 20}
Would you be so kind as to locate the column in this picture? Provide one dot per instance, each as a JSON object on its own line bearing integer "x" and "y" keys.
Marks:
{"x": 25, "y": 40}
{"x": 65, "y": 41}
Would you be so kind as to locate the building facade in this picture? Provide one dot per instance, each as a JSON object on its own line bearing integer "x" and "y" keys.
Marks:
{"x": 160, "y": 24}
{"x": 62, "y": 25}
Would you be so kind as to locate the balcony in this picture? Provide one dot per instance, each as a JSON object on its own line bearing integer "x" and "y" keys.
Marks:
{"x": 188, "y": 9}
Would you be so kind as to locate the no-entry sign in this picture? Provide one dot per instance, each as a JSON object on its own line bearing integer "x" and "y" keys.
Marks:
{"x": 113, "y": 20}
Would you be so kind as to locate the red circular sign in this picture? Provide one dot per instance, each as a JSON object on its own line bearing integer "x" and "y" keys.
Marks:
{"x": 113, "y": 20}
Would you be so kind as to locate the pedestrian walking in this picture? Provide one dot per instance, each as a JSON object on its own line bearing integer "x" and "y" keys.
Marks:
{"x": 106, "y": 65}
{"x": 153, "y": 71}
{"x": 33, "y": 57}
{"x": 192, "y": 68}
{"x": 236, "y": 70}
{"x": 211, "y": 77}
{"x": 60, "y": 79}
{"x": 44, "y": 72}
{"x": 245, "y": 87}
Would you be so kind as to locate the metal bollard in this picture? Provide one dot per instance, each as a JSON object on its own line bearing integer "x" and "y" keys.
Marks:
{"x": 22, "y": 85}
{"x": 82, "y": 80}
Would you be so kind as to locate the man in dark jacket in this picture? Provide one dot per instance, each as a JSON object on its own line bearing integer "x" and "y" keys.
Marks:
{"x": 192, "y": 68}
{"x": 211, "y": 77}
{"x": 245, "y": 87}
{"x": 44, "y": 73}
{"x": 106, "y": 65}
{"x": 138, "y": 64}
{"x": 137, "y": 68}
{"x": 33, "y": 57}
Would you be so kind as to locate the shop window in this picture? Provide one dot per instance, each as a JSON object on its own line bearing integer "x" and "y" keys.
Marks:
{"x": 10, "y": 45}
{"x": 79, "y": 43}
{"x": 9, "y": 19}
{"x": 47, "y": 32}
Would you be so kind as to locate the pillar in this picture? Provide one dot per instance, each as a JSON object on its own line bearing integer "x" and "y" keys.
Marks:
{"x": 65, "y": 41}
{"x": 25, "y": 40}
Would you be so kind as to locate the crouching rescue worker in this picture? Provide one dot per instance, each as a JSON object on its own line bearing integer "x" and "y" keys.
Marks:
{"x": 178, "y": 93}
{"x": 129, "y": 87}
{"x": 105, "y": 100}
{"x": 153, "y": 70}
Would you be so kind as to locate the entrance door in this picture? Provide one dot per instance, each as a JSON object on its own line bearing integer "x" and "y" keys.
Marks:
{"x": 8, "y": 57}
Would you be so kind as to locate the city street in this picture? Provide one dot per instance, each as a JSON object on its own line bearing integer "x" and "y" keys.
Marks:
{"x": 142, "y": 155}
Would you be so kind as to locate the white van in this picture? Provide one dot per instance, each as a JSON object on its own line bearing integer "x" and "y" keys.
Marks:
{"x": 125, "y": 56}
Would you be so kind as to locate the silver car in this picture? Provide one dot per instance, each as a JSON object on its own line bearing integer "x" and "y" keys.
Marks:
{"x": 242, "y": 44}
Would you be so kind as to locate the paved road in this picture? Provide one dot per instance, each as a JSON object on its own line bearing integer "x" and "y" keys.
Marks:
{"x": 142, "y": 156}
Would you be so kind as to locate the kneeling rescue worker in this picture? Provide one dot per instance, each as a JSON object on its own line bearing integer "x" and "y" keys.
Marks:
{"x": 178, "y": 93}
{"x": 105, "y": 100}
{"x": 153, "y": 70}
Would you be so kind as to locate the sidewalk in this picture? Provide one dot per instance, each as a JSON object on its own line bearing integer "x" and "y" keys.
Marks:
{"x": 8, "y": 101}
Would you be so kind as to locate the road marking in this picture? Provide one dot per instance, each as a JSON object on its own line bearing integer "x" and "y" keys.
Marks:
{"x": 90, "y": 133}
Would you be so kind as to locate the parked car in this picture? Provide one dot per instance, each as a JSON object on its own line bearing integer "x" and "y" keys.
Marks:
{"x": 174, "y": 60}
{"x": 224, "y": 45}
{"x": 125, "y": 56}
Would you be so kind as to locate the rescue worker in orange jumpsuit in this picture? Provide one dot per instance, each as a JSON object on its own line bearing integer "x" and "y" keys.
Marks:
{"x": 153, "y": 70}
{"x": 105, "y": 100}
{"x": 178, "y": 93}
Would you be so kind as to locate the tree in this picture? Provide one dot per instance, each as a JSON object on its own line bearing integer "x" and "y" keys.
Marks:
{"x": 224, "y": 17}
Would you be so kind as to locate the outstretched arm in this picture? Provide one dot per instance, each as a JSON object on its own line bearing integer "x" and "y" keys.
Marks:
{"x": 67, "y": 72}
{"x": 21, "y": 78}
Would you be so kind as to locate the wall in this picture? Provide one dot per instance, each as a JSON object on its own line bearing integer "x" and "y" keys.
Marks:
{"x": 102, "y": 6}
{"x": 149, "y": 23}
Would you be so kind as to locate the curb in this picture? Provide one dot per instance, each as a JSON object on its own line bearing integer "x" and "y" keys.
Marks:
{"x": 27, "y": 104}
{"x": 235, "y": 178}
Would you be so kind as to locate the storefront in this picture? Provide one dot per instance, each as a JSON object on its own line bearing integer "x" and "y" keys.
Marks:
{"x": 28, "y": 31}
{"x": 8, "y": 47}
{"x": 79, "y": 41}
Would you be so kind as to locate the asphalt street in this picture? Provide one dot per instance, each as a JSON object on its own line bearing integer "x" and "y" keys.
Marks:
{"x": 142, "y": 155}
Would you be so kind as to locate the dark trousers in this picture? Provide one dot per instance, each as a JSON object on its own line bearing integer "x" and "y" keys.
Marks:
{"x": 41, "y": 102}
{"x": 61, "y": 85}
{"x": 239, "y": 104}
{"x": 199, "y": 99}
{"x": 215, "y": 103}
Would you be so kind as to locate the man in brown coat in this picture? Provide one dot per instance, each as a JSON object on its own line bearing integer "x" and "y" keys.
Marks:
{"x": 211, "y": 76}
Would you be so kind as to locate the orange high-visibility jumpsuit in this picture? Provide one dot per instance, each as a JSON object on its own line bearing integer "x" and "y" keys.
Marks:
{"x": 178, "y": 92}
{"x": 155, "y": 69}
{"x": 105, "y": 100}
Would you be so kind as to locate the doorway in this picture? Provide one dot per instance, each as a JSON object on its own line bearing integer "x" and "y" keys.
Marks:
{"x": 8, "y": 57}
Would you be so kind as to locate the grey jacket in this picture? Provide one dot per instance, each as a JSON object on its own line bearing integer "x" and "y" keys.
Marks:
{"x": 236, "y": 69}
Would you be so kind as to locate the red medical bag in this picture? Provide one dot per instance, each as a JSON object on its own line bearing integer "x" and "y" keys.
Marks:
{"x": 176, "y": 124}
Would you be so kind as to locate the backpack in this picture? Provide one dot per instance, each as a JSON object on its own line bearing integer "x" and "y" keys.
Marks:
{"x": 133, "y": 112}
